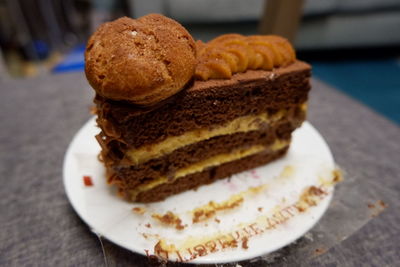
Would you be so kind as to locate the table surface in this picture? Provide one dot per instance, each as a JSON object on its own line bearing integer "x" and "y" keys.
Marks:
{"x": 40, "y": 116}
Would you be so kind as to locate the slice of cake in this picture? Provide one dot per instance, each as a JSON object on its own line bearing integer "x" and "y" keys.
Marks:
{"x": 175, "y": 114}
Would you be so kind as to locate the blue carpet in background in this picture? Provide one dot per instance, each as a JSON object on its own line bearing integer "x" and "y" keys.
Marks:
{"x": 376, "y": 83}
{"x": 73, "y": 61}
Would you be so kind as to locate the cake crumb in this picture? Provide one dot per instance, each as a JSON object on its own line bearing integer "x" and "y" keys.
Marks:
{"x": 316, "y": 191}
{"x": 377, "y": 208}
{"x": 169, "y": 218}
{"x": 148, "y": 225}
{"x": 209, "y": 210}
{"x": 161, "y": 249}
{"x": 260, "y": 209}
{"x": 162, "y": 245}
{"x": 287, "y": 172}
{"x": 255, "y": 189}
{"x": 245, "y": 241}
{"x": 337, "y": 175}
{"x": 319, "y": 251}
{"x": 87, "y": 180}
{"x": 138, "y": 210}
{"x": 93, "y": 110}
{"x": 217, "y": 220}
{"x": 382, "y": 204}
{"x": 310, "y": 197}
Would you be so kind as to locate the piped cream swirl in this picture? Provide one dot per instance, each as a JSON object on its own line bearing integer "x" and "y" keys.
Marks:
{"x": 233, "y": 53}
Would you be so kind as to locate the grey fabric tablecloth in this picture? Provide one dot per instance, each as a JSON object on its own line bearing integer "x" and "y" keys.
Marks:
{"x": 39, "y": 227}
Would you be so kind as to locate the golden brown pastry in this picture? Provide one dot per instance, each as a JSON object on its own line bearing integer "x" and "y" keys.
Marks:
{"x": 142, "y": 61}
{"x": 232, "y": 53}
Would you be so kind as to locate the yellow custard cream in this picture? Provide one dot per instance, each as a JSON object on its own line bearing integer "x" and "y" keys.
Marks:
{"x": 241, "y": 124}
{"x": 210, "y": 162}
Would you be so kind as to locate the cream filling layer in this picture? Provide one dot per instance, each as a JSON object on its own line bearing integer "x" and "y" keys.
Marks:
{"x": 241, "y": 124}
{"x": 210, "y": 162}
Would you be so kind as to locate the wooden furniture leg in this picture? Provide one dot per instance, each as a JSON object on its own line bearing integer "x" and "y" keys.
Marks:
{"x": 281, "y": 17}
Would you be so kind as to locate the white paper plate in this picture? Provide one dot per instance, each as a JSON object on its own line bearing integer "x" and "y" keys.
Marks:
{"x": 308, "y": 162}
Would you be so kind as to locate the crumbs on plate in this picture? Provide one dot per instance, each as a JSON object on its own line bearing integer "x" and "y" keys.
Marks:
{"x": 169, "y": 218}
{"x": 87, "y": 180}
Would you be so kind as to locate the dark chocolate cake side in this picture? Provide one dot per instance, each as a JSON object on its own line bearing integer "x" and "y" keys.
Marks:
{"x": 209, "y": 103}
{"x": 175, "y": 114}
{"x": 274, "y": 103}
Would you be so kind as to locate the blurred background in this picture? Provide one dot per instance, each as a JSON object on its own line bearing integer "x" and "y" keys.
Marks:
{"x": 353, "y": 45}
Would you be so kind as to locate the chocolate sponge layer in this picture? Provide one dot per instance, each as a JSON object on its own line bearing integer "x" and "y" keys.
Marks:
{"x": 208, "y": 176}
{"x": 130, "y": 176}
{"x": 204, "y": 104}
